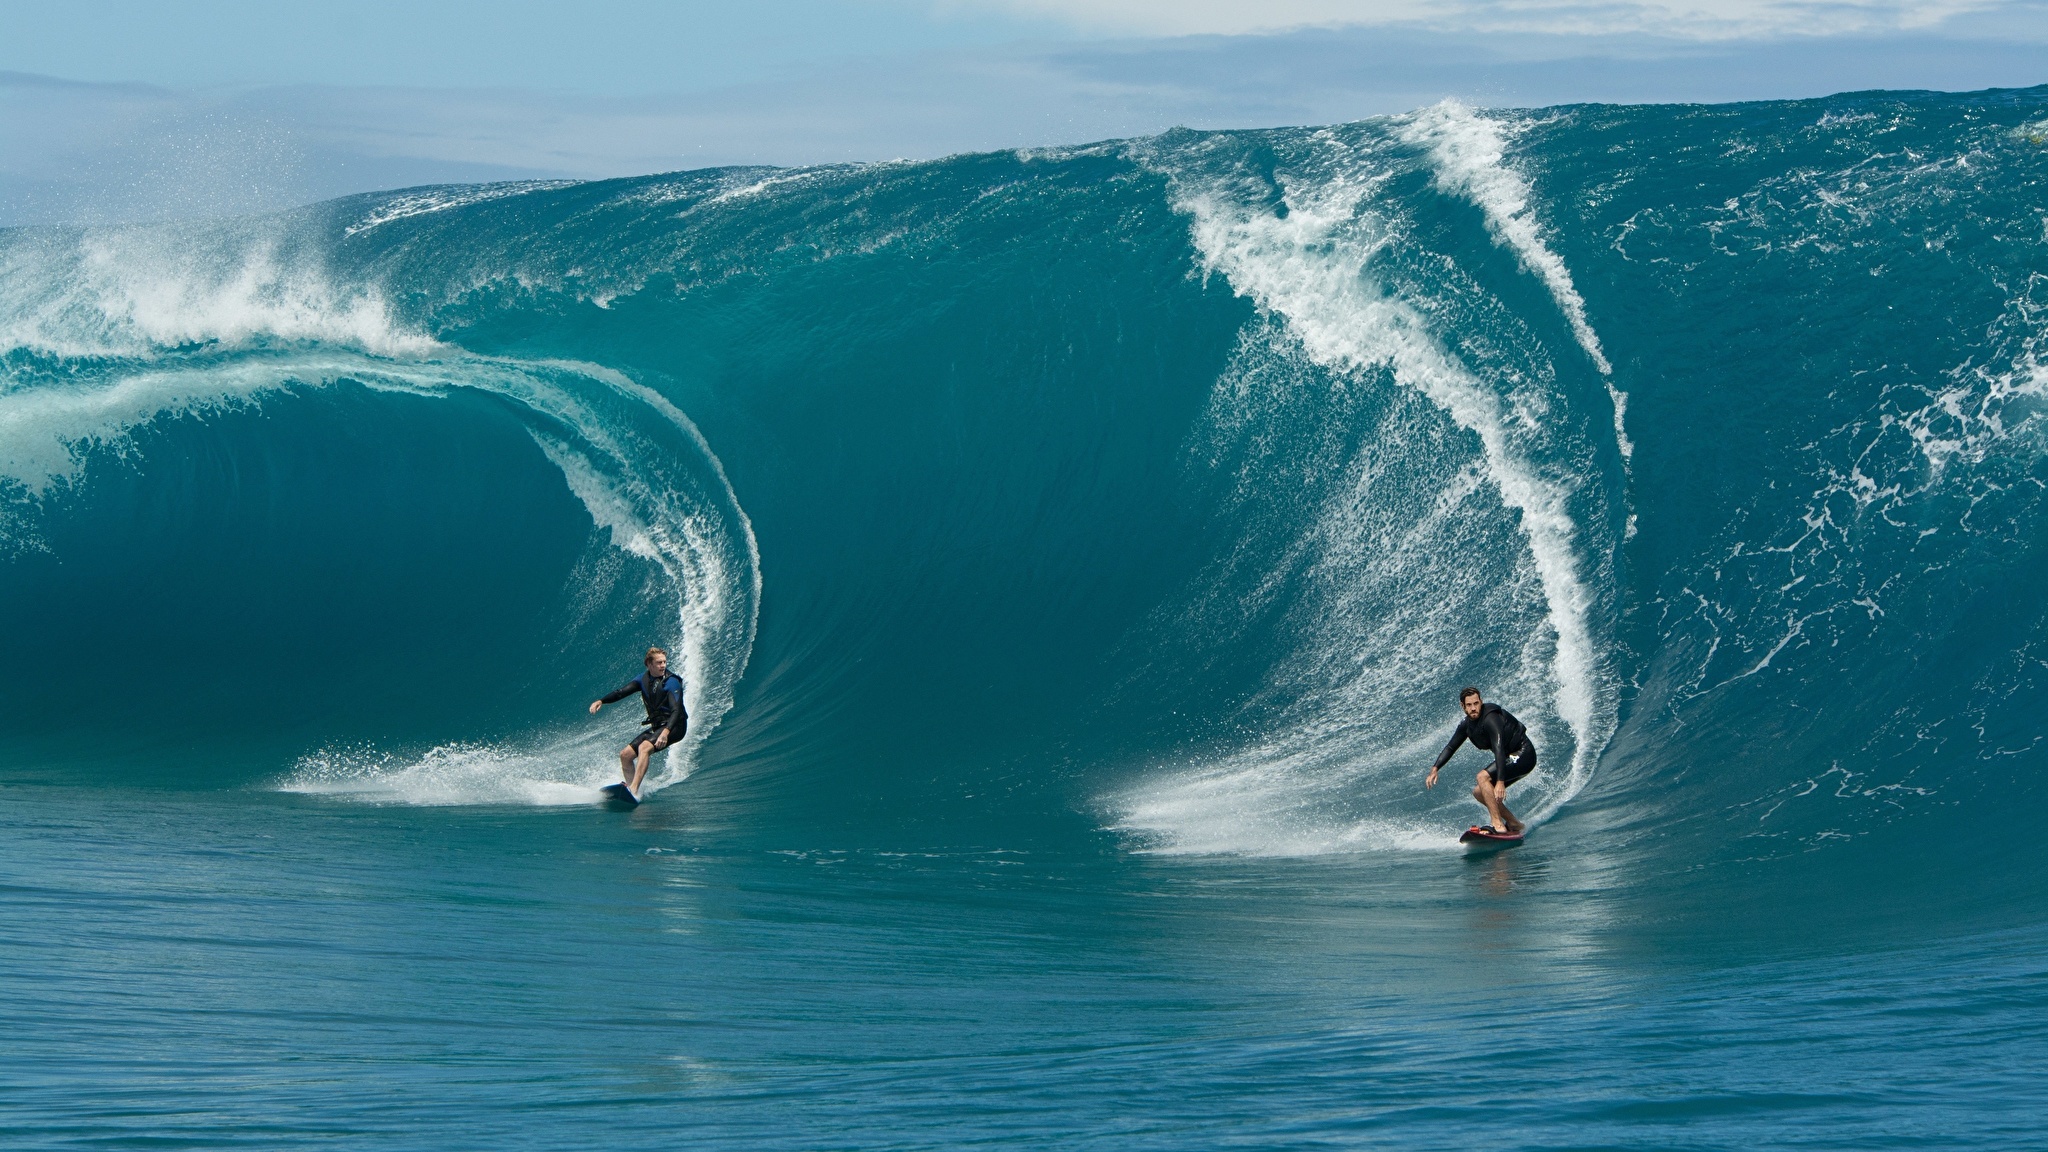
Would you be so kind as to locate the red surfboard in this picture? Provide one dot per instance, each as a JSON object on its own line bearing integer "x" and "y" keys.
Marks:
{"x": 1483, "y": 836}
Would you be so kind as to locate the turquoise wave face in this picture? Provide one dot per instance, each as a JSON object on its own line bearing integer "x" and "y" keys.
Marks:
{"x": 1161, "y": 491}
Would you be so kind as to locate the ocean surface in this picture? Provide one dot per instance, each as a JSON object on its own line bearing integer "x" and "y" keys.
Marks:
{"x": 1074, "y": 556}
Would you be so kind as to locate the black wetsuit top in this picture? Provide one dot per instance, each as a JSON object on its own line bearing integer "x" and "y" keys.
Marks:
{"x": 663, "y": 698}
{"x": 1496, "y": 731}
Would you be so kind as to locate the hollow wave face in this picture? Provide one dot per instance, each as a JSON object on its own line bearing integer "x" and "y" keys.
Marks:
{"x": 1160, "y": 493}
{"x": 117, "y": 339}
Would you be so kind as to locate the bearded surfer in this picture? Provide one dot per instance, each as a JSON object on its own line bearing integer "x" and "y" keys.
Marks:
{"x": 661, "y": 691}
{"x": 1494, "y": 729}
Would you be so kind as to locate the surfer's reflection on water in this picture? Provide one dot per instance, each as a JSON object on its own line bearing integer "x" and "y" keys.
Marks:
{"x": 671, "y": 817}
{"x": 1495, "y": 915}
{"x": 1498, "y": 874}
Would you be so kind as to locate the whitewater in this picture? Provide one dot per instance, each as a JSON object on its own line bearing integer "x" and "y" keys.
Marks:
{"x": 1073, "y": 556}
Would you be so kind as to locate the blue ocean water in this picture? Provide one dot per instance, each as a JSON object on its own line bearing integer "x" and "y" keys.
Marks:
{"x": 1073, "y": 556}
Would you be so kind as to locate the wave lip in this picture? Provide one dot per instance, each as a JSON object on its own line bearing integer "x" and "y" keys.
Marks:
{"x": 144, "y": 290}
{"x": 426, "y": 201}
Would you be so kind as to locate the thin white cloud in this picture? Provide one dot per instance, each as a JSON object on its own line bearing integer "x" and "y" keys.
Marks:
{"x": 1691, "y": 19}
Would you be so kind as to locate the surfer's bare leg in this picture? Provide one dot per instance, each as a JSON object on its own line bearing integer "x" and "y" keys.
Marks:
{"x": 1500, "y": 803}
{"x": 1486, "y": 793}
{"x": 626, "y": 765}
{"x": 639, "y": 771}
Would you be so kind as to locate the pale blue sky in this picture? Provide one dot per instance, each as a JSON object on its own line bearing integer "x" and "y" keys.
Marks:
{"x": 607, "y": 47}
{"x": 119, "y": 109}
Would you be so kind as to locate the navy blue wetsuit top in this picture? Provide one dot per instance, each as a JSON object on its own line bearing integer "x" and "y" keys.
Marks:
{"x": 663, "y": 698}
{"x": 1496, "y": 731}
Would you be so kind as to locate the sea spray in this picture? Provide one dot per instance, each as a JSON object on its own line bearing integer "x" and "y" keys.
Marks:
{"x": 1311, "y": 260}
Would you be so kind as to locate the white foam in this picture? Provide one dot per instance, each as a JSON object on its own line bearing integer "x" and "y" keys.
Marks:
{"x": 1262, "y": 803}
{"x": 1978, "y": 413}
{"x": 1470, "y": 160}
{"x": 138, "y": 291}
{"x": 442, "y": 199}
{"x": 562, "y": 773}
{"x": 1300, "y": 269}
{"x": 1932, "y": 456}
{"x": 609, "y": 510}
{"x": 1303, "y": 789}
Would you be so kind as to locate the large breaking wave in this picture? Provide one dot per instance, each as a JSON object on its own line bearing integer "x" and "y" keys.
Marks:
{"x": 1169, "y": 487}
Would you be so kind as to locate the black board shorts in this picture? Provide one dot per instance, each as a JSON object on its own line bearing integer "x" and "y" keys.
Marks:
{"x": 1519, "y": 765}
{"x": 648, "y": 737}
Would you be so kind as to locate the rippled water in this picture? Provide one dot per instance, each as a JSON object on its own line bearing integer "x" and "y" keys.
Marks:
{"x": 274, "y": 971}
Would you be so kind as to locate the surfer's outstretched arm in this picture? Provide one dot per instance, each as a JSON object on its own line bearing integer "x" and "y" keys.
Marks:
{"x": 1444, "y": 757}
{"x": 631, "y": 687}
{"x": 621, "y": 692}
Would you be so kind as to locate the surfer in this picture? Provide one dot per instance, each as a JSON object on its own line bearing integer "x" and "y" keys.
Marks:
{"x": 1494, "y": 729}
{"x": 662, "y": 693}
